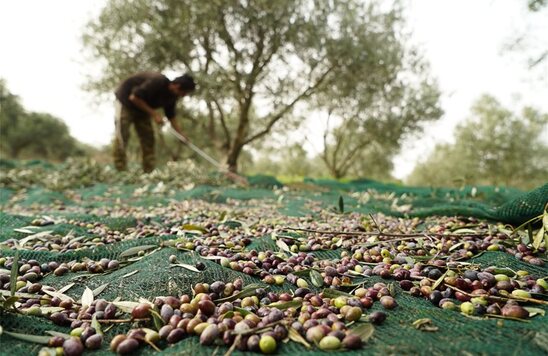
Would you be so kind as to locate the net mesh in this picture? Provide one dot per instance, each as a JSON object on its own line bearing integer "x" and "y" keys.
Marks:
{"x": 121, "y": 207}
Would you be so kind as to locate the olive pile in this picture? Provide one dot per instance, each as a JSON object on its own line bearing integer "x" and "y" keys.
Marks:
{"x": 258, "y": 322}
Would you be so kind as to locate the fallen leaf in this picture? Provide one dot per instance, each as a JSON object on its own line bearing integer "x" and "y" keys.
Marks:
{"x": 364, "y": 331}
{"x": 425, "y": 324}
{"x": 184, "y": 265}
{"x": 87, "y": 297}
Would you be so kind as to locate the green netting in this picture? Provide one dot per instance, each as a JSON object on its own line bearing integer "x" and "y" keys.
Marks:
{"x": 152, "y": 276}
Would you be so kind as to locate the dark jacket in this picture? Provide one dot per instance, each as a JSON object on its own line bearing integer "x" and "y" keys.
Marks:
{"x": 151, "y": 87}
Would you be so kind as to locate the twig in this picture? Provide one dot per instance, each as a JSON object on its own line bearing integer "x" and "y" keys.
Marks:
{"x": 375, "y": 222}
{"x": 236, "y": 342}
{"x": 150, "y": 343}
{"x": 496, "y": 298}
{"x": 113, "y": 321}
{"x": 373, "y": 233}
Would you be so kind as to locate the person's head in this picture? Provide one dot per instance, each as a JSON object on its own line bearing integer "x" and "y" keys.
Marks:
{"x": 183, "y": 85}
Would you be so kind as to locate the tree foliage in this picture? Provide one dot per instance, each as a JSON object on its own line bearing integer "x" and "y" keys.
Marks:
{"x": 255, "y": 61}
{"x": 494, "y": 147}
{"x": 32, "y": 135}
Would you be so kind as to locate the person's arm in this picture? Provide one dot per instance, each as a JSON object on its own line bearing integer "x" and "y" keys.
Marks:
{"x": 141, "y": 104}
{"x": 177, "y": 128}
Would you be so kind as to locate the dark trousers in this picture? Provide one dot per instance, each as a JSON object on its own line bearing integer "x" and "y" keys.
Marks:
{"x": 125, "y": 117}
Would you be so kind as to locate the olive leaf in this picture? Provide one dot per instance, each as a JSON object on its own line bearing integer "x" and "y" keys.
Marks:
{"x": 425, "y": 324}
{"x": 247, "y": 292}
{"x": 130, "y": 274}
{"x": 66, "y": 288}
{"x": 539, "y": 237}
{"x": 187, "y": 266}
{"x": 58, "y": 295}
{"x": 10, "y": 301}
{"x": 296, "y": 337}
{"x": 535, "y": 311}
{"x": 455, "y": 246}
{"x": 26, "y": 229}
{"x": 135, "y": 250}
{"x": 286, "y": 305}
{"x": 228, "y": 314}
{"x": 316, "y": 278}
{"x": 283, "y": 246}
{"x": 96, "y": 325}
{"x": 87, "y": 297}
{"x": 50, "y": 310}
{"x": 364, "y": 331}
{"x": 38, "y": 235}
{"x": 30, "y": 338}
{"x": 333, "y": 293}
{"x": 243, "y": 311}
{"x": 157, "y": 319}
{"x": 57, "y": 333}
{"x": 194, "y": 228}
{"x": 439, "y": 280}
{"x": 463, "y": 231}
{"x": 100, "y": 289}
{"x": 125, "y": 306}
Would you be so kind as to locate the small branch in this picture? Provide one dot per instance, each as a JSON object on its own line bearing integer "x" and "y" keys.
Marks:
{"x": 359, "y": 233}
{"x": 113, "y": 321}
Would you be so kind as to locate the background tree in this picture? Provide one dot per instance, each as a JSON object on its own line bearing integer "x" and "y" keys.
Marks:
{"x": 25, "y": 135}
{"x": 494, "y": 147}
{"x": 524, "y": 43}
{"x": 254, "y": 61}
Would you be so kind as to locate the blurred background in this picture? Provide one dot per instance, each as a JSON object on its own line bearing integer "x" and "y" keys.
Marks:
{"x": 429, "y": 93}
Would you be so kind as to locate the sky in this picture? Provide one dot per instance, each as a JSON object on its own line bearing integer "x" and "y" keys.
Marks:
{"x": 42, "y": 62}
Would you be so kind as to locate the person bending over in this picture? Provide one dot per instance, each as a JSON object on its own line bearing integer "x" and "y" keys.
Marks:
{"x": 137, "y": 99}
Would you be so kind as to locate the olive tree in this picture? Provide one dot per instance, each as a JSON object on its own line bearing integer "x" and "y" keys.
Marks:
{"x": 494, "y": 146}
{"x": 255, "y": 61}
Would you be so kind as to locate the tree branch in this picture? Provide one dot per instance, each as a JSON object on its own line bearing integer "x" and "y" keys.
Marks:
{"x": 287, "y": 108}
{"x": 223, "y": 121}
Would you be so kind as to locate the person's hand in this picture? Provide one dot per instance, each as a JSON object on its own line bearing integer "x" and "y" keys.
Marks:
{"x": 158, "y": 118}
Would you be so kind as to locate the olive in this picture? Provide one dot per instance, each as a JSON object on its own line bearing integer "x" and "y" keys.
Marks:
{"x": 435, "y": 297}
{"x": 166, "y": 312}
{"x": 253, "y": 343}
{"x": 388, "y": 302}
{"x": 515, "y": 311}
{"x": 267, "y": 344}
{"x": 94, "y": 342}
{"x": 352, "y": 342}
{"x": 207, "y": 307}
{"x": 116, "y": 341}
{"x": 353, "y": 314}
{"x": 56, "y": 341}
{"x": 175, "y": 335}
{"x": 467, "y": 308}
{"x": 73, "y": 347}
{"x": 127, "y": 346}
{"x": 315, "y": 334}
{"x": 377, "y": 317}
{"x": 210, "y": 333}
{"x": 217, "y": 287}
{"x": 330, "y": 343}
{"x": 164, "y": 331}
{"x": 60, "y": 319}
{"x": 141, "y": 311}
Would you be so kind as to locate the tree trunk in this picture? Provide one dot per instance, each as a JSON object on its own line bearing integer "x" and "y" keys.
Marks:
{"x": 232, "y": 158}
